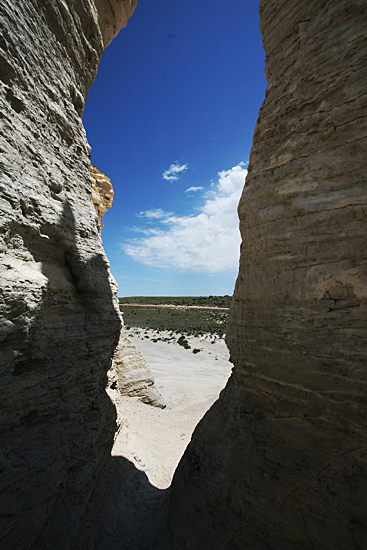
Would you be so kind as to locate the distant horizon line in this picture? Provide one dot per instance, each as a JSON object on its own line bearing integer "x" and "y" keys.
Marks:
{"x": 174, "y": 295}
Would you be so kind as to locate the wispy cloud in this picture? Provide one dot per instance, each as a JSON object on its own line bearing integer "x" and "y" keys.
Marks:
{"x": 143, "y": 230}
{"x": 156, "y": 214}
{"x": 207, "y": 242}
{"x": 172, "y": 174}
{"x": 194, "y": 189}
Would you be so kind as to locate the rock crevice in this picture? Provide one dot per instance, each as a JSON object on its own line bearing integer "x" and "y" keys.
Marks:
{"x": 280, "y": 460}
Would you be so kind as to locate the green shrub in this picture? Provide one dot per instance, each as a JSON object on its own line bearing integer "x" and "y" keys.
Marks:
{"x": 183, "y": 342}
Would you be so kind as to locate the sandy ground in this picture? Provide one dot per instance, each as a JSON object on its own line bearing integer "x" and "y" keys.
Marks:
{"x": 189, "y": 383}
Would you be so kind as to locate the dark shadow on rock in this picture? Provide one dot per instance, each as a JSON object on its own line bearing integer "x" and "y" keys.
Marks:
{"x": 126, "y": 512}
{"x": 57, "y": 422}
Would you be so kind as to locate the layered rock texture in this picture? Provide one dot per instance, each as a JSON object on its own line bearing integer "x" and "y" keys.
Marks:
{"x": 59, "y": 320}
{"x": 280, "y": 460}
{"x": 131, "y": 375}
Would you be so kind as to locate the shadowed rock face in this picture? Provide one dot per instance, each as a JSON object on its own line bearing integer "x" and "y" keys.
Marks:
{"x": 60, "y": 321}
{"x": 280, "y": 461}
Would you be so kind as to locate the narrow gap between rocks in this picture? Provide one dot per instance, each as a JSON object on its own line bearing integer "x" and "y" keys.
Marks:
{"x": 190, "y": 369}
{"x": 189, "y": 384}
{"x": 129, "y": 509}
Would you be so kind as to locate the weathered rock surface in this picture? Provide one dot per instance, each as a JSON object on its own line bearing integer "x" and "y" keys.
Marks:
{"x": 129, "y": 372}
{"x": 102, "y": 193}
{"x": 131, "y": 375}
{"x": 280, "y": 461}
{"x": 59, "y": 320}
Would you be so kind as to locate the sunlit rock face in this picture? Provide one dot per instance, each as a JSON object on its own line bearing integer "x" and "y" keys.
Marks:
{"x": 60, "y": 321}
{"x": 131, "y": 375}
{"x": 102, "y": 193}
{"x": 280, "y": 461}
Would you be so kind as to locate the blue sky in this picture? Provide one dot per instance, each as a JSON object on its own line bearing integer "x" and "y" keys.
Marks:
{"x": 170, "y": 120}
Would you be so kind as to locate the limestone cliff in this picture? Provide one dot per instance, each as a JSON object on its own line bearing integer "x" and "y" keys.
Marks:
{"x": 59, "y": 320}
{"x": 280, "y": 461}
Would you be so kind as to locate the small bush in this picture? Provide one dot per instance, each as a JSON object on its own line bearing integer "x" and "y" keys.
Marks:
{"x": 196, "y": 350}
{"x": 183, "y": 342}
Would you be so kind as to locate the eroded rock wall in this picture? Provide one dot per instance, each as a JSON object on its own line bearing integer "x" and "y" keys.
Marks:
{"x": 59, "y": 318}
{"x": 280, "y": 461}
{"x": 102, "y": 193}
{"x": 131, "y": 375}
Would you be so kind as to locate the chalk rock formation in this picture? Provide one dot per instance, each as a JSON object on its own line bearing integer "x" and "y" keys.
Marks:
{"x": 60, "y": 321}
{"x": 280, "y": 461}
{"x": 129, "y": 372}
{"x": 131, "y": 375}
{"x": 102, "y": 193}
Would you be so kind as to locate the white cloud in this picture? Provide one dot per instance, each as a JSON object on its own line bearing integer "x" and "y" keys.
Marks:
{"x": 173, "y": 171}
{"x": 143, "y": 230}
{"x": 194, "y": 189}
{"x": 156, "y": 214}
{"x": 208, "y": 242}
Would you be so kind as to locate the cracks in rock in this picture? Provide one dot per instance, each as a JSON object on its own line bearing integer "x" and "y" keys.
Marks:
{"x": 319, "y": 472}
{"x": 351, "y": 122}
{"x": 319, "y": 264}
{"x": 323, "y": 396}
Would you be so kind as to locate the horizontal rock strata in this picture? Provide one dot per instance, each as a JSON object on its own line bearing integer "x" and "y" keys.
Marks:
{"x": 131, "y": 376}
{"x": 60, "y": 321}
{"x": 280, "y": 461}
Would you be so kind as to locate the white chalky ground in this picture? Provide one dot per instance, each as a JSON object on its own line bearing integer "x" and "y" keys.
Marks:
{"x": 189, "y": 383}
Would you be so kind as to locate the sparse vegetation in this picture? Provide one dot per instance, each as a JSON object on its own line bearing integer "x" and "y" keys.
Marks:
{"x": 187, "y": 320}
{"x": 206, "y": 301}
{"x": 183, "y": 342}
